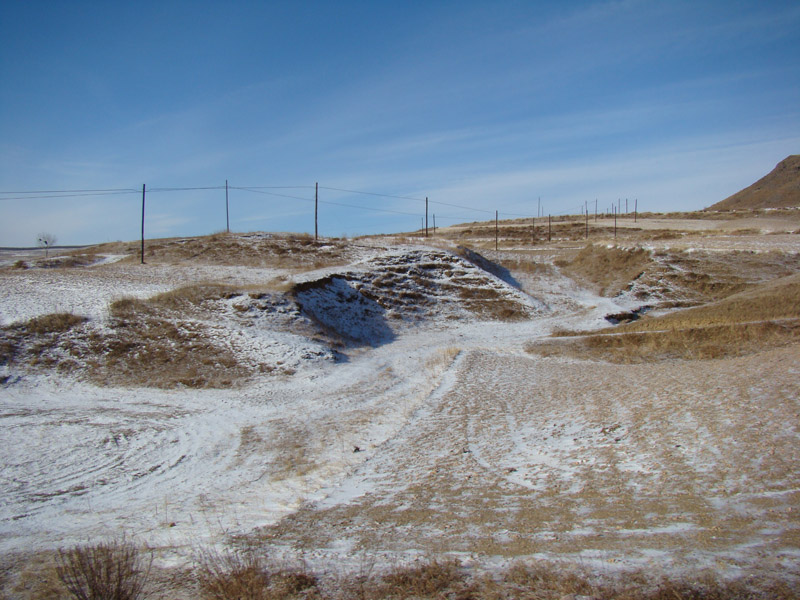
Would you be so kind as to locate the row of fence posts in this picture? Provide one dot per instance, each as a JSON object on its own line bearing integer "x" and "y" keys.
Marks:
{"x": 614, "y": 210}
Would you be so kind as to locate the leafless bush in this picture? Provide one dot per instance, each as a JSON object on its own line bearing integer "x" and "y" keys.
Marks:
{"x": 114, "y": 570}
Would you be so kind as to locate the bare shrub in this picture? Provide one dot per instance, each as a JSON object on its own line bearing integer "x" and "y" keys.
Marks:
{"x": 113, "y": 570}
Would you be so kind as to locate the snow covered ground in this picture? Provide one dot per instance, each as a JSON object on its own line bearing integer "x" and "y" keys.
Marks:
{"x": 433, "y": 431}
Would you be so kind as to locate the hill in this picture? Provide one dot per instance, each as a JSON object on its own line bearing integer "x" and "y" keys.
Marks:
{"x": 778, "y": 189}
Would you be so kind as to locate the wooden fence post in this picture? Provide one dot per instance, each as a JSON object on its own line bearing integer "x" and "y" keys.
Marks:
{"x": 316, "y": 211}
{"x": 143, "y": 193}
{"x": 426, "y": 216}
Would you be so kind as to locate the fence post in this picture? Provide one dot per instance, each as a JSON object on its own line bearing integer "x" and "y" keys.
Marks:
{"x": 587, "y": 223}
{"x": 426, "y": 216}
{"x": 316, "y": 211}
{"x": 434, "y": 223}
{"x": 615, "y": 224}
{"x": 549, "y": 228}
{"x": 227, "y": 214}
{"x": 635, "y": 209}
{"x": 143, "y": 193}
{"x": 496, "y": 231}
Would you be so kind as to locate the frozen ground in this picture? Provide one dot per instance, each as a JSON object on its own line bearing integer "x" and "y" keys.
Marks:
{"x": 443, "y": 436}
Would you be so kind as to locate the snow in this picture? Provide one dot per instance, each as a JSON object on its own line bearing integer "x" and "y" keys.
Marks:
{"x": 425, "y": 394}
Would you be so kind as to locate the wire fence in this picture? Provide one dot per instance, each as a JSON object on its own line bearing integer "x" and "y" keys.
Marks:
{"x": 350, "y": 205}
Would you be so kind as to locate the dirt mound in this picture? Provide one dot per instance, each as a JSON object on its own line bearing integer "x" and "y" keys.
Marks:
{"x": 408, "y": 287}
{"x": 779, "y": 189}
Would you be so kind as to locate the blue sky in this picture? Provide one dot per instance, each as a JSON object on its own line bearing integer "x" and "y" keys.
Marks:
{"x": 483, "y": 105}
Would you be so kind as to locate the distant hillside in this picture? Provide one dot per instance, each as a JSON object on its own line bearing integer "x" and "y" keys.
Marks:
{"x": 779, "y": 189}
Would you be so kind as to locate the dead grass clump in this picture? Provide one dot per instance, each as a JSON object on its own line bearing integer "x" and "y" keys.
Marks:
{"x": 233, "y": 576}
{"x": 245, "y": 575}
{"x": 113, "y": 570}
{"x": 488, "y": 303}
{"x": 8, "y": 349}
{"x": 53, "y": 323}
{"x": 430, "y": 579}
{"x": 549, "y": 581}
{"x": 442, "y": 359}
{"x": 609, "y": 270}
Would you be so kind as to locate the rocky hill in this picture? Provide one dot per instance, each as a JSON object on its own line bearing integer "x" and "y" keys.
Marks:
{"x": 778, "y": 189}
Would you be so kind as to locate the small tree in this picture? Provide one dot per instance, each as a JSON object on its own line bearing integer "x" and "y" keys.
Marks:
{"x": 46, "y": 240}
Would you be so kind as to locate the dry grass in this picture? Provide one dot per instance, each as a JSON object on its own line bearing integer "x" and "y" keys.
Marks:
{"x": 52, "y": 323}
{"x": 608, "y": 270}
{"x": 69, "y": 261}
{"x": 246, "y": 575}
{"x": 285, "y": 251}
{"x": 442, "y": 359}
{"x": 764, "y": 317}
{"x": 158, "y": 343}
{"x": 30, "y": 341}
{"x": 700, "y": 343}
{"x": 114, "y": 570}
{"x": 120, "y": 571}
{"x": 161, "y": 342}
{"x": 487, "y": 303}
